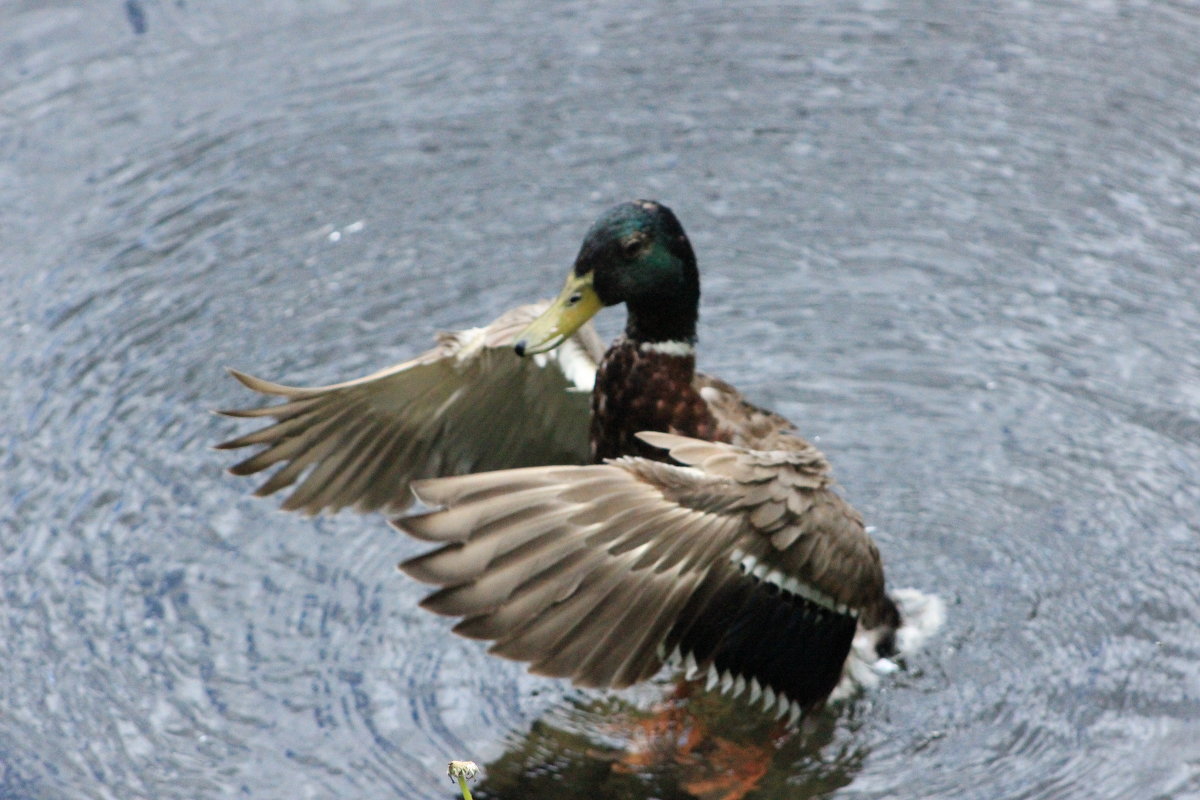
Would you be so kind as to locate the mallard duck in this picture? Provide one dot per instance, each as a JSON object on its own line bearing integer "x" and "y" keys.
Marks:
{"x": 601, "y": 513}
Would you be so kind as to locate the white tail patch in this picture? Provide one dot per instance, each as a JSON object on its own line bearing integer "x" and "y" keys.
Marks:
{"x": 921, "y": 615}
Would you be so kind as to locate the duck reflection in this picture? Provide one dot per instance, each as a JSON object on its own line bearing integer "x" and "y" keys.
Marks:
{"x": 695, "y": 745}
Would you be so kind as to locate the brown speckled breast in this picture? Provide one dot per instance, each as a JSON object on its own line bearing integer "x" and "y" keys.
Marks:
{"x": 638, "y": 390}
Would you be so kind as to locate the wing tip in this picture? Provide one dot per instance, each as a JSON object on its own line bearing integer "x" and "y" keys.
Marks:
{"x": 230, "y": 444}
{"x": 244, "y": 468}
{"x": 414, "y": 568}
{"x": 668, "y": 441}
{"x": 237, "y": 413}
{"x": 244, "y": 378}
{"x": 264, "y": 386}
{"x": 255, "y": 384}
{"x": 419, "y": 526}
{"x": 680, "y": 447}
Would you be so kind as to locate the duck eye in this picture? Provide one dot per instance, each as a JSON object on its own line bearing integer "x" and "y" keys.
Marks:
{"x": 575, "y": 298}
{"x": 632, "y": 246}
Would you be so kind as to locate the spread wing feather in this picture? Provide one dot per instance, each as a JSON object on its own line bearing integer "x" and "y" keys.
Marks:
{"x": 596, "y": 573}
{"x": 469, "y": 404}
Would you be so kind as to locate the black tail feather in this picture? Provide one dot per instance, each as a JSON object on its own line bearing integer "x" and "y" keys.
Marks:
{"x": 750, "y": 628}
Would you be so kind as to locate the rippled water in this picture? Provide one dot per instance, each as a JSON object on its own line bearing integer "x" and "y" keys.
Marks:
{"x": 958, "y": 243}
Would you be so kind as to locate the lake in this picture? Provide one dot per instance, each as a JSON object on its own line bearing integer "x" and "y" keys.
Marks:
{"x": 956, "y": 243}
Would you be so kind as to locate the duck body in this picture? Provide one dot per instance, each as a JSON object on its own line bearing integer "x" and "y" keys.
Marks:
{"x": 696, "y": 529}
{"x": 647, "y": 387}
{"x": 653, "y": 386}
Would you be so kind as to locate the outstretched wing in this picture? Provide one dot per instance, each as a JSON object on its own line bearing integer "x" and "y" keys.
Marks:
{"x": 467, "y": 405}
{"x": 741, "y": 563}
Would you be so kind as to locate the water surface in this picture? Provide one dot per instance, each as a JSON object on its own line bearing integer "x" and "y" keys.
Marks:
{"x": 956, "y": 243}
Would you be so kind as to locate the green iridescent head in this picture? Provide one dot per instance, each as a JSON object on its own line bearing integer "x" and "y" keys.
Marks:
{"x": 639, "y": 254}
{"x": 635, "y": 253}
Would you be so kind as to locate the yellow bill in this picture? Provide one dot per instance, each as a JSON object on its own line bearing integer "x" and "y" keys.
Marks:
{"x": 575, "y": 305}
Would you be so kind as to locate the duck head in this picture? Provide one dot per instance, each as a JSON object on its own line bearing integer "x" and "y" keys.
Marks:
{"x": 637, "y": 254}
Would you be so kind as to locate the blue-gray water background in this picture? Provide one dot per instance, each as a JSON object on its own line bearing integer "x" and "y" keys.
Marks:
{"x": 956, "y": 242}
